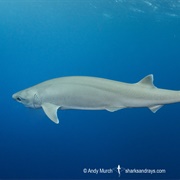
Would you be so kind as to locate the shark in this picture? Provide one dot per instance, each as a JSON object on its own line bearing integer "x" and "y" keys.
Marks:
{"x": 94, "y": 93}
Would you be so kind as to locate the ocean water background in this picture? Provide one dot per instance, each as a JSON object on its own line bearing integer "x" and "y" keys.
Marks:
{"x": 115, "y": 39}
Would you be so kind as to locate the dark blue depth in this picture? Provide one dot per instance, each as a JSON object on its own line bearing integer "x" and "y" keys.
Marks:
{"x": 114, "y": 39}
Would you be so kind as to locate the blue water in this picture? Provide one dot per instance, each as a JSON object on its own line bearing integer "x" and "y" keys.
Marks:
{"x": 115, "y": 39}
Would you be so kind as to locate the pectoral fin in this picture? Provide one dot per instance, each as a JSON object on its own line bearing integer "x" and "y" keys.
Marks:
{"x": 51, "y": 111}
{"x": 155, "y": 108}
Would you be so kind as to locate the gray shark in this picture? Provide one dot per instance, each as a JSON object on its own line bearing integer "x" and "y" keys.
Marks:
{"x": 92, "y": 93}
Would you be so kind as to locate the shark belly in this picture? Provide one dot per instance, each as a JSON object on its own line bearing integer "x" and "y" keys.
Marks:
{"x": 83, "y": 97}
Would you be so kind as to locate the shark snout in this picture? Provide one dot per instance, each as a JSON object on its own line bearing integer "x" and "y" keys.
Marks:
{"x": 14, "y": 96}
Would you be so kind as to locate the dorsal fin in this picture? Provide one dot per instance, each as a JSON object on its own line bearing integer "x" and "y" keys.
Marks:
{"x": 147, "y": 81}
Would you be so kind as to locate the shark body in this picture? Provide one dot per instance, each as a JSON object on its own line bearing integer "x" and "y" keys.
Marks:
{"x": 92, "y": 93}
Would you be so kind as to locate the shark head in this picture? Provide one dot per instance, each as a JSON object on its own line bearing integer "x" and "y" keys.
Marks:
{"x": 33, "y": 98}
{"x": 28, "y": 98}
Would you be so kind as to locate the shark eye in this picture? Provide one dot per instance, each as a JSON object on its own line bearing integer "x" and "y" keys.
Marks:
{"x": 18, "y": 99}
